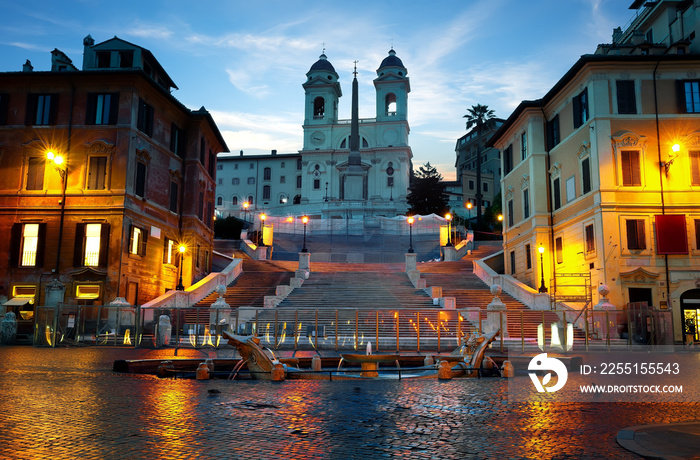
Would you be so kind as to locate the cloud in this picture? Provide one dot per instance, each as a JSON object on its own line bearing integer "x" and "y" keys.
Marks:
{"x": 254, "y": 133}
{"x": 27, "y": 46}
{"x": 149, "y": 30}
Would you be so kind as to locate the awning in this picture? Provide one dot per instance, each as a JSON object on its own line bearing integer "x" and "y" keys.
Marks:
{"x": 17, "y": 301}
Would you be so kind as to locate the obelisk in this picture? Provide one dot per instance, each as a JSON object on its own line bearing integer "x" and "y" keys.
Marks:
{"x": 354, "y": 183}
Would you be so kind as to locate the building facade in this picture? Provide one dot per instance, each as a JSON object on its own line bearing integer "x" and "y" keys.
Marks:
{"x": 317, "y": 180}
{"x": 603, "y": 172}
{"x": 104, "y": 174}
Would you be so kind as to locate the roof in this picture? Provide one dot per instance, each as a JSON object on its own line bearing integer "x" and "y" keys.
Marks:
{"x": 322, "y": 64}
{"x": 583, "y": 61}
{"x": 392, "y": 60}
{"x": 257, "y": 157}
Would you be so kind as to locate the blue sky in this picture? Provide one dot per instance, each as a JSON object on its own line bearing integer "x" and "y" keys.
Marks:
{"x": 245, "y": 61}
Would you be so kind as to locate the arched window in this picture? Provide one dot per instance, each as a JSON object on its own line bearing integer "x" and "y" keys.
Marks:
{"x": 267, "y": 173}
{"x": 219, "y": 201}
{"x": 319, "y": 107}
{"x": 390, "y": 104}
{"x": 283, "y": 199}
{"x": 234, "y": 200}
{"x": 297, "y": 199}
{"x": 266, "y": 192}
{"x": 250, "y": 199}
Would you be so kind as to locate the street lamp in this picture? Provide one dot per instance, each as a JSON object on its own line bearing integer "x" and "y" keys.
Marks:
{"x": 448, "y": 216}
{"x": 469, "y": 207}
{"x": 543, "y": 288}
{"x": 410, "y": 234}
{"x": 245, "y": 208}
{"x": 326, "y": 198}
{"x": 261, "y": 239}
{"x": 181, "y": 249}
{"x": 305, "y": 220}
{"x": 58, "y": 163}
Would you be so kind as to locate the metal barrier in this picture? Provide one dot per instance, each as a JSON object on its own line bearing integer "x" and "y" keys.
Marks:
{"x": 434, "y": 330}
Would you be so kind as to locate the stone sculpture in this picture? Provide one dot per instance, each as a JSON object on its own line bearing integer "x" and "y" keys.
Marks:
{"x": 8, "y": 329}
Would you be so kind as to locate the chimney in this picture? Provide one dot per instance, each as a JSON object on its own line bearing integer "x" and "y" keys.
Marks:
{"x": 274, "y": 152}
{"x": 28, "y": 67}
{"x": 241, "y": 152}
{"x": 617, "y": 34}
{"x": 88, "y": 53}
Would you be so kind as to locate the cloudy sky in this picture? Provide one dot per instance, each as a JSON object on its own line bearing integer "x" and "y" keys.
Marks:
{"x": 245, "y": 61}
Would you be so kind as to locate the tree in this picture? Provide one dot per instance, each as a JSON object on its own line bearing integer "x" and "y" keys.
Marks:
{"x": 479, "y": 116}
{"x": 427, "y": 193}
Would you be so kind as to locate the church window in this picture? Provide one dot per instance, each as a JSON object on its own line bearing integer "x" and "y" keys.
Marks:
{"x": 317, "y": 184}
{"x": 319, "y": 107}
{"x": 344, "y": 144}
{"x": 234, "y": 201}
{"x": 298, "y": 164}
{"x": 267, "y": 174}
{"x": 365, "y": 144}
{"x": 390, "y": 105}
{"x": 266, "y": 192}
{"x": 298, "y": 181}
{"x": 219, "y": 201}
{"x": 297, "y": 199}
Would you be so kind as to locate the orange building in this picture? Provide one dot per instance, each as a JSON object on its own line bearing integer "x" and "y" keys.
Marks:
{"x": 103, "y": 174}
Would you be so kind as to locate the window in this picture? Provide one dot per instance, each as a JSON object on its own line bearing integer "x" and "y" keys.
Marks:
{"x": 234, "y": 201}
{"x": 97, "y": 173}
{"x": 219, "y": 201}
{"x": 688, "y": 96}
{"x": 221, "y": 181}
{"x": 471, "y": 184}
{"x": 630, "y": 168}
{"x": 390, "y": 181}
{"x": 196, "y": 257}
{"x": 528, "y": 257}
{"x": 697, "y": 234}
{"x": 212, "y": 164}
{"x": 103, "y": 59}
{"x": 390, "y": 104}
{"x": 173, "y": 196}
{"x": 251, "y": 180}
{"x": 91, "y": 245}
{"x": 202, "y": 149}
{"x": 266, "y": 192}
{"x": 694, "y": 167}
{"x": 298, "y": 181}
{"x": 126, "y": 59}
{"x": 556, "y": 189}
{"x": 523, "y": 145}
{"x": 251, "y": 166}
{"x": 283, "y": 180}
{"x": 526, "y": 204}
{"x": 250, "y": 199}
{"x": 510, "y": 213}
{"x": 586, "y": 175}
{"x": 102, "y": 108}
{"x": 267, "y": 174}
{"x": 512, "y": 262}
{"x": 27, "y": 245}
{"x": 235, "y": 181}
{"x": 590, "y": 238}
{"x": 319, "y": 108}
{"x": 485, "y": 186}
{"x": 210, "y": 213}
{"x": 508, "y": 159}
{"x": 177, "y": 140}
{"x": 626, "y": 101}
{"x": 219, "y": 167}
{"x": 41, "y": 109}
{"x": 35, "y": 173}
{"x": 169, "y": 251}
{"x": 4, "y": 102}
{"x": 553, "y": 132}
{"x": 636, "y": 239}
{"x": 145, "y": 118}
{"x": 282, "y": 165}
{"x": 570, "y": 189}
{"x": 200, "y": 207}
{"x": 137, "y": 241}
{"x": 580, "y": 103}
{"x": 559, "y": 247}
{"x": 87, "y": 291}
{"x": 140, "y": 186}
{"x": 317, "y": 184}
{"x": 298, "y": 164}
{"x": 235, "y": 166}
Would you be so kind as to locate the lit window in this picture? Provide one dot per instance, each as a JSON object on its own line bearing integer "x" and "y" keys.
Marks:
{"x": 636, "y": 238}
{"x": 136, "y": 243}
{"x": 590, "y": 239}
{"x": 30, "y": 244}
{"x": 87, "y": 291}
{"x": 169, "y": 251}
{"x": 92, "y": 245}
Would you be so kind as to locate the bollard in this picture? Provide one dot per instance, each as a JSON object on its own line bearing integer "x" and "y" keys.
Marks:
{"x": 445, "y": 370}
{"x": 507, "y": 370}
{"x": 210, "y": 364}
{"x": 164, "y": 367}
{"x": 316, "y": 363}
{"x": 203, "y": 371}
{"x": 277, "y": 372}
{"x": 428, "y": 361}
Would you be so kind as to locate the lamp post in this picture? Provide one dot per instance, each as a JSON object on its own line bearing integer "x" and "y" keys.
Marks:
{"x": 58, "y": 163}
{"x": 181, "y": 249}
{"x": 245, "y": 208}
{"x": 543, "y": 288}
{"x": 410, "y": 234}
{"x": 261, "y": 240}
{"x": 305, "y": 220}
{"x": 448, "y": 216}
{"x": 326, "y": 198}
{"x": 469, "y": 208}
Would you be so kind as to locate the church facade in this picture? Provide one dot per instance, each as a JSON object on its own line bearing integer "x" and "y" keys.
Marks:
{"x": 346, "y": 169}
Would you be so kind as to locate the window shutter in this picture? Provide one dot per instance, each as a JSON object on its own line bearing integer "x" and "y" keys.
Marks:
{"x": 634, "y": 165}
{"x": 3, "y": 108}
{"x": 641, "y": 237}
{"x": 90, "y": 110}
{"x": 144, "y": 239}
{"x": 586, "y": 175}
{"x": 680, "y": 96}
{"x": 131, "y": 238}
{"x": 53, "y": 110}
{"x": 104, "y": 245}
{"x": 31, "y": 109}
{"x": 79, "y": 252}
{"x": 577, "y": 111}
{"x": 113, "y": 108}
{"x": 165, "y": 250}
{"x": 41, "y": 245}
{"x": 15, "y": 244}
{"x": 695, "y": 168}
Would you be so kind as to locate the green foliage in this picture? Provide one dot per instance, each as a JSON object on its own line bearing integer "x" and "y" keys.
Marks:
{"x": 479, "y": 116}
{"x": 427, "y": 192}
{"x": 228, "y": 228}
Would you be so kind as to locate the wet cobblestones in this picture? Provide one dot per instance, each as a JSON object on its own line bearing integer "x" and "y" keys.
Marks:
{"x": 67, "y": 403}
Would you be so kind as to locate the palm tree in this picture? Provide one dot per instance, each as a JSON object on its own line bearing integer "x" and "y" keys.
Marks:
{"x": 479, "y": 116}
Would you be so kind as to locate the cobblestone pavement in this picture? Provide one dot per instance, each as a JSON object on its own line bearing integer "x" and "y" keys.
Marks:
{"x": 67, "y": 403}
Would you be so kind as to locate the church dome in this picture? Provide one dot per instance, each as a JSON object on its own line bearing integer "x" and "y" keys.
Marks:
{"x": 391, "y": 60}
{"x": 322, "y": 64}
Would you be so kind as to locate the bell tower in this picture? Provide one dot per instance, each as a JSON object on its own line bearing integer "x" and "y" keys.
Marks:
{"x": 322, "y": 91}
